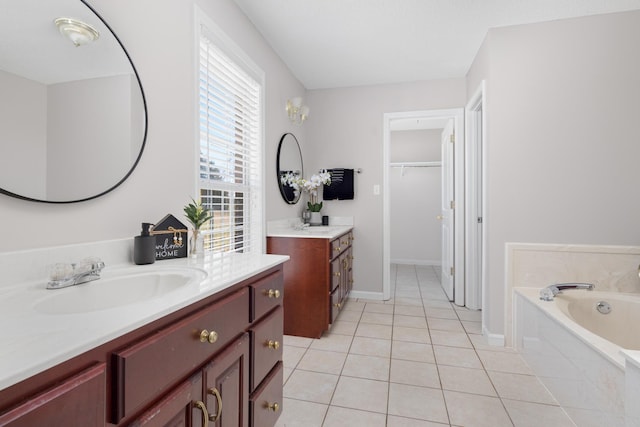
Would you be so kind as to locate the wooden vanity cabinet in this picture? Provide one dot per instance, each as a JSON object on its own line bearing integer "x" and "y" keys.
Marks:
{"x": 195, "y": 367}
{"x": 317, "y": 281}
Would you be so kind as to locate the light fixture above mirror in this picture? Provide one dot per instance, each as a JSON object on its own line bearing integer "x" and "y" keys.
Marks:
{"x": 80, "y": 33}
{"x": 296, "y": 111}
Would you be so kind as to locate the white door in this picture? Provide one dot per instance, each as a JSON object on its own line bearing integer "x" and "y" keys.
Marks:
{"x": 447, "y": 215}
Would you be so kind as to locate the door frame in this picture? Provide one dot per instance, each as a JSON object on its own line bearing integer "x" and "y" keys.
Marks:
{"x": 459, "y": 218}
{"x": 475, "y": 147}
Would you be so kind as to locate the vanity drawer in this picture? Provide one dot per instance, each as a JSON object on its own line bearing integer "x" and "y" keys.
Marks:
{"x": 266, "y": 402}
{"x": 335, "y": 273}
{"x": 144, "y": 370}
{"x": 266, "y": 342}
{"x": 78, "y": 400}
{"x": 336, "y": 248}
{"x": 266, "y": 294}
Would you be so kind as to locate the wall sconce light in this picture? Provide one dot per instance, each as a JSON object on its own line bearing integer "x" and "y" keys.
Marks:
{"x": 297, "y": 112}
{"x": 78, "y": 32}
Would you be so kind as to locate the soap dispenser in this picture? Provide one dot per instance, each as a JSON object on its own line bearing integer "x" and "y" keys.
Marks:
{"x": 144, "y": 246}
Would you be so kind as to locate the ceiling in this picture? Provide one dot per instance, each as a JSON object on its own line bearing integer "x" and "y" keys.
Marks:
{"x": 342, "y": 43}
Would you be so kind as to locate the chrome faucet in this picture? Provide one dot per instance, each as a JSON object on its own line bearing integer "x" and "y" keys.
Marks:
{"x": 548, "y": 293}
{"x": 65, "y": 275}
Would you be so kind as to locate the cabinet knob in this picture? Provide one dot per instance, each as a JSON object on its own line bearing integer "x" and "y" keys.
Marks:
{"x": 273, "y": 406}
{"x": 337, "y": 305}
{"x": 273, "y": 344}
{"x": 211, "y": 337}
{"x": 205, "y": 415}
{"x": 273, "y": 293}
{"x": 338, "y": 249}
{"x": 214, "y": 392}
{"x": 337, "y": 274}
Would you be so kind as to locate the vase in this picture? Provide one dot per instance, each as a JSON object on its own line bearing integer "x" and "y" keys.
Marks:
{"x": 196, "y": 243}
{"x": 316, "y": 218}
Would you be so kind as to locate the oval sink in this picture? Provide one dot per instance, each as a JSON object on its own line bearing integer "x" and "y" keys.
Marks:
{"x": 115, "y": 290}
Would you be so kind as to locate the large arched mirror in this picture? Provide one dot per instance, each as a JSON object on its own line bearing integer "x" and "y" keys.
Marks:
{"x": 289, "y": 161}
{"x": 73, "y": 119}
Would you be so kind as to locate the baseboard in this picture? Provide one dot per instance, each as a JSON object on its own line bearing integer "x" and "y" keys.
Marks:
{"x": 376, "y": 296}
{"x": 404, "y": 261}
{"x": 495, "y": 340}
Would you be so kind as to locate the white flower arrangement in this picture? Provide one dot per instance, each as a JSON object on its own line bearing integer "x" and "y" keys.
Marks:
{"x": 310, "y": 186}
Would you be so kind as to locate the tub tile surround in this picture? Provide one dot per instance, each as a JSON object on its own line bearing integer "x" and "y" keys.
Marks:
{"x": 596, "y": 382}
{"x": 530, "y": 265}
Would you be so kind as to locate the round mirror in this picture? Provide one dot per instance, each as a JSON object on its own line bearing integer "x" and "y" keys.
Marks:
{"x": 73, "y": 119}
{"x": 289, "y": 161}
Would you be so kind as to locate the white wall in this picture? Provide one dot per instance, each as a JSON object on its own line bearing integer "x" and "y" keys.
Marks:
{"x": 159, "y": 37}
{"x": 415, "y": 198}
{"x": 563, "y": 140}
{"x": 345, "y": 130}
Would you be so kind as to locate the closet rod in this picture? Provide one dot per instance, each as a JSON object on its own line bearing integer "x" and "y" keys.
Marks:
{"x": 415, "y": 164}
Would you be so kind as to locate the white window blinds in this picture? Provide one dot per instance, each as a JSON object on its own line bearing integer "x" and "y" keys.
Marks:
{"x": 230, "y": 174}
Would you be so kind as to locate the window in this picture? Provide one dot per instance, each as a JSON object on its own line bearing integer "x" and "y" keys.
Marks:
{"x": 230, "y": 146}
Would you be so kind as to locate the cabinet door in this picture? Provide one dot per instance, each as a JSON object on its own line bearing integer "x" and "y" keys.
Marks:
{"x": 181, "y": 407}
{"x": 266, "y": 342}
{"x": 226, "y": 386}
{"x": 80, "y": 400}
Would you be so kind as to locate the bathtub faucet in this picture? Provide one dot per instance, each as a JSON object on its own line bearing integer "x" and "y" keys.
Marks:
{"x": 548, "y": 293}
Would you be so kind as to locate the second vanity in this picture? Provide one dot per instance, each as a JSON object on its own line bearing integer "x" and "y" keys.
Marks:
{"x": 206, "y": 353}
{"x": 319, "y": 277}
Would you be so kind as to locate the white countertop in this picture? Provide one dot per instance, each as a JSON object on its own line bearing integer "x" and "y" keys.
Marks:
{"x": 33, "y": 341}
{"x": 318, "y": 231}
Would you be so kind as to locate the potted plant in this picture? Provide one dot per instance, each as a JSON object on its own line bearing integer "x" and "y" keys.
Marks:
{"x": 310, "y": 186}
{"x": 197, "y": 215}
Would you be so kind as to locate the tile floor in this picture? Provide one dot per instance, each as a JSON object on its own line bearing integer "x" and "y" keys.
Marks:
{"x": 413, "y": 361}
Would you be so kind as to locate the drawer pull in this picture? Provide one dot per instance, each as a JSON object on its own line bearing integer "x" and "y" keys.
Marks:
{"x": 337, "y": 274}
{"x": 205, "y": 415}
{"x": 273, "y": 344}
{"x": 338, "y": 249}
{"x": 273, "y": 406}
{"x": 214, "y": 391}
{"x": 337, "y": 305}
{"x": 211, "y": 337}
{"x": 273, "y": 293}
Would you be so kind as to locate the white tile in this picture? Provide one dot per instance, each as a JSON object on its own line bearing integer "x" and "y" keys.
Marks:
{"x": 441, "y": 313}
{"x": 467, "y": 380}
{"x": 297, "y": 341}
{"x": 476, "y": 410}
{"x": 292, "y": 355}
{"x": 417, "y": 402}
{"x": 378, "y": 308}
{"x": 403, "y": 333}
{"x": 343, "y": 327}
{"x": 371, "y": 346}
{"x": 457, "y": 356}
{"x": 349, "y": 315}
{"x": 409, "y": 310}
{"x": 445, "y": 325}
{"x": 504, "y": 362}
{"x": 416, "y": 352}
{"x": 346, "y": 417}
{"x": 377, "y": 318}
{"x": 527, "y": 414}
{"x": 374, "y": 331}
{"x": 409, "y": 321}
{"x": 395, "y": 421}
{"x": 329, "y": 362}
{"x": 333, "y": 342}
{"x": 363, "y": 394}
{"x": 310, "y": 386}
{"x": 451, "y": 339}
{"x": 414, "y": 373}
{"x": 371, "y": 367}
{"x": 298, "y": 413}
{"x": 521, "y": 387}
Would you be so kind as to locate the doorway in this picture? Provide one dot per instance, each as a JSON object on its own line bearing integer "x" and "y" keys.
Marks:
{"x": 475, "y": 145}
{"x": 431, "y": 119}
